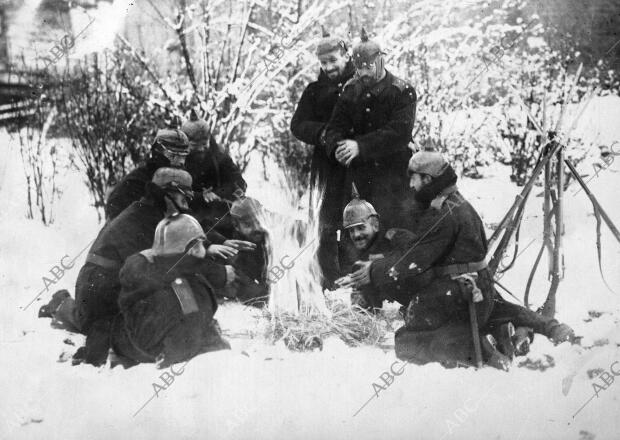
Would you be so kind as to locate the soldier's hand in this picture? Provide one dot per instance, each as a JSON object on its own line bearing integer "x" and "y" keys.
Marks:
{"x": 231, "y": 275}
{"x": 347, "y": 150}
{"x": 221, "y": 250}
{"x": 361, "y": 276}
{"x": 344, "y": 281}
{"x": 209, "y": 195}
{"x": 240, "y": 245}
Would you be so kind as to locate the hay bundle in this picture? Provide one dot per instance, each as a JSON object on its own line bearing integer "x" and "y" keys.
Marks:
{"x": 307, "y": 331}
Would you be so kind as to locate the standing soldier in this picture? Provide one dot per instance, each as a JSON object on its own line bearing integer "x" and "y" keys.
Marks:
{"x": 369, "y": 133}
{"x": 308, "y": 125}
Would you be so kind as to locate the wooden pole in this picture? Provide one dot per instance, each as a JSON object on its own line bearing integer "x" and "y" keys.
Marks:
{"x": 548, "y": 308}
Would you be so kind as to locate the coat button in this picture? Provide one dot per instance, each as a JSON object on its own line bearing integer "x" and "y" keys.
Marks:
{"x": 178, "y": 281}
{"x": 367, "y": 110}
{"x": 339, "y": 84}
{"x": 367, "y": 95}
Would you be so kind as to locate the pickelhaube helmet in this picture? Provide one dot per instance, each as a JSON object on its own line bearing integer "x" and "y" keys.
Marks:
{"x": 357, "y": 211}
{"x": 366, "y": 51}
{"x": 177, "y": 234}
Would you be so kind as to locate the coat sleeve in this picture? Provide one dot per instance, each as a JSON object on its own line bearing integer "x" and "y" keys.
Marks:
{"x": 433, "y": 240}
{"x": 230, "y": 178}
{"x": 392, "y": 136}
{"x": 304, "y": 124}
{"x": 214, "y": 273}
{"x": 127, "y": 191}
{"x": 340, "y": 124}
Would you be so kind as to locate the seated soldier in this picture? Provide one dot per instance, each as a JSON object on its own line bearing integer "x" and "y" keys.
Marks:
{"x": 368, "y": 242}
{"x": 443, "y": 268}
{"x": 250, "y": 263}
{"x": 167, "y": 299}
{"x": 217, "y": 180}
{"x": 98, "y": 285}
{"x": 168, "y": 150}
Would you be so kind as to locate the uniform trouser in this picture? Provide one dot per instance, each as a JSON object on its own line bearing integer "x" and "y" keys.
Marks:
{"x": 96, "y": 295}
{"x": 449, "y": 345}
{"x": 330, "y": 221}
{"x": 504, "y": 312}
{"x": 452, "y": 342}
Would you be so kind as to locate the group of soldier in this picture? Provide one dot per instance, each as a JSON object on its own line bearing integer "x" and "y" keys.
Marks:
{"x": 180, "y": 233}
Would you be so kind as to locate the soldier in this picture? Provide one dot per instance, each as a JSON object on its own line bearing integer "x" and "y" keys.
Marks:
{"x": 251, "y": 264}
{"x": 442, "y": 269}
{"x": 308, "y": 125}
{"x": 167, "y": 299}
{"x": 98, "y": 285}
{"x": 217, "y": 180}
{"x": 168, "y": 150}
{"x": 369, "y": 133}
{"x": 368, "y": 242}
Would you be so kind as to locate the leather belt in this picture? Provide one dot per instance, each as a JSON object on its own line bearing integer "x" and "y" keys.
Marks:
{"x": 104, "y": 262}
{"x": 461, "y": 268}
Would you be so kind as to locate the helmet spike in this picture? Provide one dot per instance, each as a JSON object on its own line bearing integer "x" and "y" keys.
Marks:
{"x": 354, "y": 192}
{"x": 364, "y": 35}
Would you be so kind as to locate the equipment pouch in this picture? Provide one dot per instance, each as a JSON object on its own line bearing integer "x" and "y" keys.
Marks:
{"x": 184, "y": 294}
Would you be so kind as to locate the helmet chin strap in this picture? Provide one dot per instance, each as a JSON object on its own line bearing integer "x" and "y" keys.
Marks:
{"x": 175, "y": 204}
{"x": 379, "y": 66}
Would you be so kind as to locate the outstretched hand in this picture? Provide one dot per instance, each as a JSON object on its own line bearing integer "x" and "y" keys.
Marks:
{"x": 240, "y": 245}
{"x": 361, "y": 277}
{"x": 221, "y": 250}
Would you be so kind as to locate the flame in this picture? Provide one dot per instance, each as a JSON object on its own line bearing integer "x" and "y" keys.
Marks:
{"x": 294, "y": 271}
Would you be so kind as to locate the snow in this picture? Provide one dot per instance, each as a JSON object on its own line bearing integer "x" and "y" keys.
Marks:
{"x": 259, "y": 390}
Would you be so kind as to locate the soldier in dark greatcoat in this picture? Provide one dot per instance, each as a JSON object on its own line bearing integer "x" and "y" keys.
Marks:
{"x": 370, "y": 131}
{"x": 168, "y": 150}
{"x": 308, "y": 125}
{"x": 98, "y": 285}
{"x": 367, "y": 241}
{"x": 442, "y": 268}
{"x": 167, "y": 300}
{"x": 217, "y": 180}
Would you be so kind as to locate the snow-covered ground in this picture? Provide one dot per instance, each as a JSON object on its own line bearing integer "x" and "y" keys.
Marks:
{"x": 259, "y": 390}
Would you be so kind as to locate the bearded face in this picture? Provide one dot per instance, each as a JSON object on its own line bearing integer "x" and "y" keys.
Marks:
{"x": 334, "y": 63}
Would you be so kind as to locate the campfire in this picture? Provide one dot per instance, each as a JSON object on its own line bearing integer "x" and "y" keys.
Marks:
{"x": 300, "y": 312}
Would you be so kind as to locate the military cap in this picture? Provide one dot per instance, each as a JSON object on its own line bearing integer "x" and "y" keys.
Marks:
{"x": 173, "y": 178}
{"x": 173, "y": 139}
{"x": 428, "y": 162}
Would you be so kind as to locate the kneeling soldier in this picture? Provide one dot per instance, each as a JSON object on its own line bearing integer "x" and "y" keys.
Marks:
{"x": 444, "y": 269}
{"x": 167, "y": 299}
{"x": 367, "y": 242}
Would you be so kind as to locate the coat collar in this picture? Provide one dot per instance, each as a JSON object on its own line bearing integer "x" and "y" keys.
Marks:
{"x": 379, "y": 87}
{"x": 438, "y": 201}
